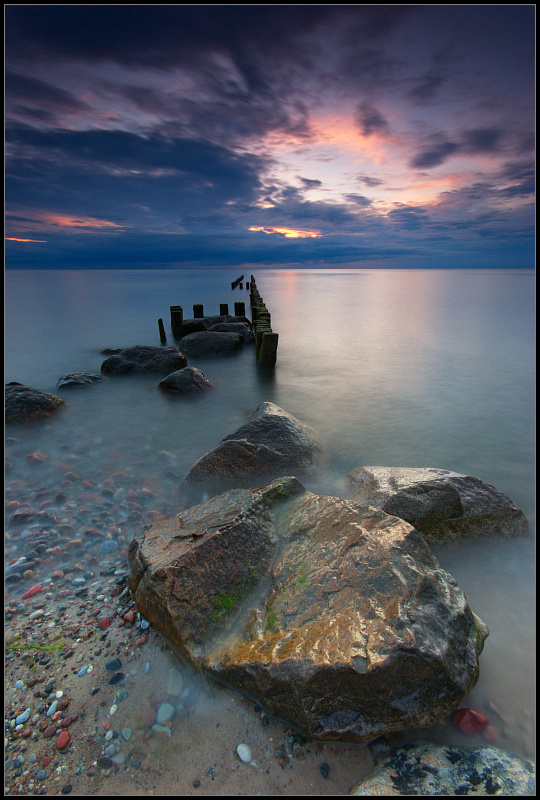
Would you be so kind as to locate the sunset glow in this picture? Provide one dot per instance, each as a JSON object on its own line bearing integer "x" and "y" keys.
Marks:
{"x": 387, "y": 135}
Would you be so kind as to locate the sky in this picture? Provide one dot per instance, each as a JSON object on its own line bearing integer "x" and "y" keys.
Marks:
{"x": 143, "y": 136}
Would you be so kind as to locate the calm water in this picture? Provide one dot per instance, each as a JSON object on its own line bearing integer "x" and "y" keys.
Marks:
{"x": 393, "y": 368}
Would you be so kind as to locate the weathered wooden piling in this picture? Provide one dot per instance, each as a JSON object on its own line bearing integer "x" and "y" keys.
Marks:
{"x": 268, "y": 350}
{"x": 235, "y": 283}
{"x": 223, "y": 309}
{"x": 240, "y": 309}
{"x": 198, "y": 311}
{"x": 162, "y": 337}
{"x": 177, "y": 321}
{"x": 266, "y": 340}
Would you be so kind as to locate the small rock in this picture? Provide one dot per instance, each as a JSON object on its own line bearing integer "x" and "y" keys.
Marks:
{"x": 469, "y": 721}
{"x": 161, "y": 728}
{"x": 325, "y": 769}
{"x": 126, "y": 734}
{"x": 104, "y": 762}
{"x": 23, "y": 717}
{"x": 244, "y": 753}
{"x": 113, "y": 664}
{"x": 63, "y": 740}
{"x": 165, "y": 712}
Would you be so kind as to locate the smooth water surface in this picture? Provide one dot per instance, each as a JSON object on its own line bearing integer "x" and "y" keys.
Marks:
{"x": 418, "y": 368}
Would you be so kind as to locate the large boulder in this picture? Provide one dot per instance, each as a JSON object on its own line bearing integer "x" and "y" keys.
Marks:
{"x": 189, "y": 380}
{"x": 208, "y": 344}
{"x": 25, "y": 404}
{"x": 334, "y": 617}
{"x": 439, "y": 503}
{"x": 272, "y": 442}
{"x": 428, "y": 769}
{"x": 145, "y": 358}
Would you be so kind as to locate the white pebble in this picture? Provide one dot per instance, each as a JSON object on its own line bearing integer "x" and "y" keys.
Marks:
{"x": 90, "y": 668}
{"x": 113, "y": 709}
{"x": 244, "y": 753}
{"x": 60, "y": 693}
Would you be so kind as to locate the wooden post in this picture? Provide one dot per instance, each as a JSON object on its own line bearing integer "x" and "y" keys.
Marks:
{"x": 260, "y": 329}
{"x": 177, "y": 321}
{"x": 162, "y": 336}
{"x": 268, "y": 352}
{"x": 223, "y": 309}
{"x": 235, "y": 283}
{"x": 239, "y": 309}
{"x": 198, "y": 311}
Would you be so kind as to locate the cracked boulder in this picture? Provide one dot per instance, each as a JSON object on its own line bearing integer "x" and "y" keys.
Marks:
{"x": 334, "y": 617}
{"x": 439, "y": 503}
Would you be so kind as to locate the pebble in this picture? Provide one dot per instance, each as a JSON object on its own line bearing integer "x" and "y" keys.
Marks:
{"x": 119, "y": 758}
{"x": 325, "y": 769}
{"x": 244, "y": 753}
{"x": 116, "y": 678}
{"x": 110, "y": 750}
{"x": 52, "y": 708}
{"x": 19, "y": 685}
{"x": 175, "y": 682}
{"x": 165, "y": 712}
{"x": 104, "y": 762}
{"x": 41, "y": 775}
{"x": 63, "y": 740}
{"x": 113, "y": 664}
{"x": 126, "y": 734}
{"x": 113, "y": 709}
{"x": 23, "y": 717}
{"x": 147, "y": 668}
{"x": 161, "y": 728}
{"x": 82, "y": 672}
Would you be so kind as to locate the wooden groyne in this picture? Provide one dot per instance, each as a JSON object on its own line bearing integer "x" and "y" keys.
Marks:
{"x": 266, "y": 340}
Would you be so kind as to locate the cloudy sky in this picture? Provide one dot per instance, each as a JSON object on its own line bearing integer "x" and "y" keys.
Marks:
{"x": 312, "y": 135}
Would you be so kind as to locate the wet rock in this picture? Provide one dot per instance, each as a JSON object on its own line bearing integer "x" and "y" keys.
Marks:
{"x": 439, "y": 503}
{"x": 186, "y": 381}
{"x": 75, "y": 379}
{"x": 272, "y": 442}
{"x": 428, "y": 769}
{"x": 334, "y": 617}
{"x": 207, "y": 344}
{"x": 25, "y": 404}
{"x": 144, "y": 358}
{"x": 244, "y": 753}
{"x": 242, "y": 328}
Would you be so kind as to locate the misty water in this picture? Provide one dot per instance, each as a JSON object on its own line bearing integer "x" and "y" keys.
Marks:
{"x": 417, "y": 368}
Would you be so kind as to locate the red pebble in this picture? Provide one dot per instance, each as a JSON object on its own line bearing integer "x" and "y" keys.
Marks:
{"x": 490, "y": 734}
{"x": 130, "y": 616}
{"x": 32, "y": 591}
{"x": 36, "y": 458}
{"x": 141, "y": 640}
{"x": 107, "y": 725}
{"x": 63, "y": 740}
{"x": 115, "y": 591}
{"x": 64, "y": 593}
{"x": 46, "y": 761}
{"x": 469, "y": 721}
{"x": 104, "y": 623}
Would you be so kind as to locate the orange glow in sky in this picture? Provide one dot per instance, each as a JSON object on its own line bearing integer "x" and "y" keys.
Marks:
{"x": 14, "y": 239}
{"x": 289, "y": 233}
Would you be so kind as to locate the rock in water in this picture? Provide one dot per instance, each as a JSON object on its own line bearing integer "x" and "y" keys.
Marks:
{"x": 271, "y": 443}
{"x": 186, "y": 381}
{"x": 334, "y": 617}
{"x": 76, "y": 379}
{"x": 438, "y": 502}
{"x": 207, "y": 344}
{"x": 145, "y": 358}
{"x": 427, "y": 769}
{"x": 24, "y": 404}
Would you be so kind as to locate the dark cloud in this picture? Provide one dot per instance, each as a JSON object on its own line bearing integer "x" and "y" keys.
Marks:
{"x": 370, "y": 119}
{"x": 427, "y": 88}
{"x": 369, "y": 180}
{"x": 310, "y": 183}
{"x": 481, "y": 140}
{"x": 358, "y": 199}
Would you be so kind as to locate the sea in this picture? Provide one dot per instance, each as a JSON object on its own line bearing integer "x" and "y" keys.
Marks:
{"x": 403, "y": 368}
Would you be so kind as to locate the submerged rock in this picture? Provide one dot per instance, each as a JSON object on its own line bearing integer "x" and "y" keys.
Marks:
{"x": 189, "y": 380}
{"x": 145, "y": 358}
{"x": 272, "y": 442}
{"x": 334, "y": 617}
{"x": 438, "y": 502}
{"x": 428, "y": 769}
{"x": 73, "y": 379}
{"x": 243, "y": 328}
{"x": 25, "y": 404}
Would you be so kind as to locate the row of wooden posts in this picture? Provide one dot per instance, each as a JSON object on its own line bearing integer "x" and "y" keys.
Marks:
{"x": 266, "y": 340}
